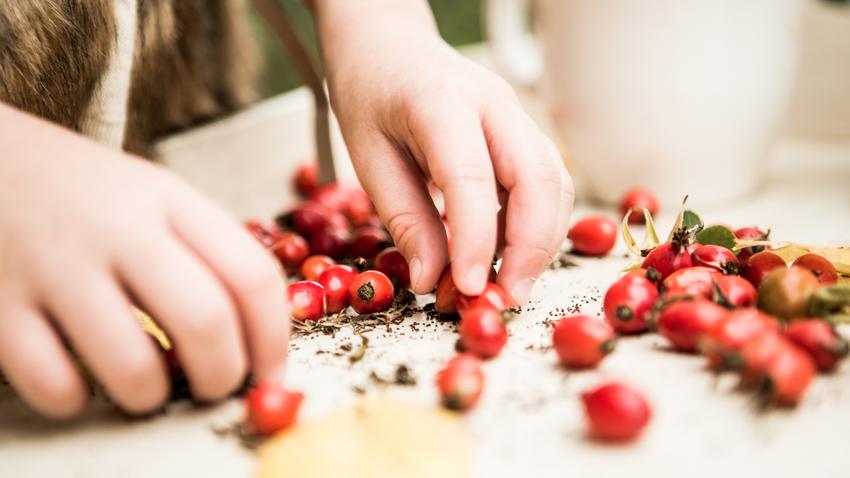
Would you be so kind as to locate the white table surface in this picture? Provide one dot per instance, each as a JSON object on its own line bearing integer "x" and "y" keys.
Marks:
{"x": 529, "y": 420}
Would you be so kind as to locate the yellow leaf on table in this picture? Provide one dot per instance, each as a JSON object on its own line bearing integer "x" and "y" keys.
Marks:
{"x": 377, "y": 437}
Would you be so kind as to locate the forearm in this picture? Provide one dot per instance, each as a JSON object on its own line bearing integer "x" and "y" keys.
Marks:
{"x": 348, "y": 29}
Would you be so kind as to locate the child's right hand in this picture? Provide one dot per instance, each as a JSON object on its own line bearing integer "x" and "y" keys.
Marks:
{"x": 84, "y": 233}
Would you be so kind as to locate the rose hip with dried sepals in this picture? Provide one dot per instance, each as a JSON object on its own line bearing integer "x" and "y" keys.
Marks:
{"x": 820, "y": 340}
{"x": 615, "y": 412}
{"x": 394, "y": 265}
{"x": 368, "y": 241}
{"x": 723, "y": 342}
{"x": 820, "y": 266}
{"x": 593, "y": 235}
{"x": 306, "y": 178}
{"x": 493, "y": 296}
{"x": 461, "y": 382}
{"x": 638, "y": 197}
{"x": 271, "y": 408}
{"x": 671, "y": 256}
{"x": 582, "y": 341}
{"x": 752, "y": 234}
{"x": 445, "y": 295}
{"x": 483, "y": 332}
{"x": 684, "y": 323}
{"x": 290, "y": 249}
{"x": 306, "y": 300}
{"x": 717, "y": 257}
{"x": 333, "y": 242}
{"x": 735, "y": 291}
{"x": 628, "y": 302}
{"x": 786, "y": 292}
{"x": 370, "y": 292}
{"x": 691, "y": 282}
{"x": 760, "y": 265}
{"x": 260, "y": 232}
{"x": 313, "y": 266}
{"x": 336, "y": 281}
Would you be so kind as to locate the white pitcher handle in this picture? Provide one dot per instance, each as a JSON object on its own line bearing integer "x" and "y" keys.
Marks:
{"x": 514, "y": 49}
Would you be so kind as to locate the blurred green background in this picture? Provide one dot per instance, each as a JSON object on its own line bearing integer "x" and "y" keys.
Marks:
{"x": 459, "y": 22}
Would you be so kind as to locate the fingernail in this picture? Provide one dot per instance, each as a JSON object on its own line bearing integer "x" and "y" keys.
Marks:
{"x": 521, "y": 291}
{"x": 476, "y": 279}
{"x": 415, "y": 270}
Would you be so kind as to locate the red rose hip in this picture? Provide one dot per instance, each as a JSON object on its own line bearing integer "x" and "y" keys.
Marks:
{"x": 582, "y": 341}
{"x": 483, "y": 332}
{"x": 684, "y": 323}
{"x": 638, "y": 197}
{"x": 667, "y": 258}
{"x": 271, "y": 408}
{"x": 628, "y": 301}
{"x": 760, "y": 265}
{"x": 691, "y": 282}
{"x": 493, "y": 296}
{"x": 291, "y": 250}
{"x": 313, "y": 267}
{"x": 370, "y": 292}
{"x": 368, "y": 241}
{"x": 306, "y": 300}
{"x": 336, "y": 281}
{"x": 593, "y": 235}
{"x": 306, "y": 178}
{"x": 820, "y": 340}
{"x": 735, "y": 291}
{"x": 616, "y": 412}
{"x": 394, "y": 265}
{"x": 461, "y": 382}
{"x": 819, "y": 266}
{"x": 717, "y": 257}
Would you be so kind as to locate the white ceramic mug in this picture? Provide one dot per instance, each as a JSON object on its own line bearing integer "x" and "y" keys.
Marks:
{"x": 680, "y": 96}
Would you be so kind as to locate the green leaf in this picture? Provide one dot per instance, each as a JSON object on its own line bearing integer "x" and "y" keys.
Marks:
{"x": 717, "y": 235}
{"x": 691, "y": 220}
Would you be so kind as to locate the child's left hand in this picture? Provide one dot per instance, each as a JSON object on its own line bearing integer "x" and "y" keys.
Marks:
{"x": 413, "y": 109}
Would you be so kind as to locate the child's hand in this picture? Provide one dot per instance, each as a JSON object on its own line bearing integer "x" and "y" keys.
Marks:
{"x": 412, "y": 109}
{"x": 85, "y": 232}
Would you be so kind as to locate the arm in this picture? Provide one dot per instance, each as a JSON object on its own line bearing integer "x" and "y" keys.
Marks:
{"x": 411, "y": 110}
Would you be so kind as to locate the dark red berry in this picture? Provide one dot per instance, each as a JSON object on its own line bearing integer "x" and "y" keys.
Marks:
{"x": 685, "y": 323}
{"x": 582, "y": 341}
{"x": 636, "y": 197}
{"x": 735, "y": 291}
{"x": 271, "y": 408}
{"x": 306, "y": 300}
{"x": 717, "y": 257}
{"x": 691, "y": 282}
{"x": 628, "y": 301}
{"x": 368, "y": 241}
{"x": 723, "y": 342}
{"x": 759, "y": 265}
{"x": 751, "y": 234}
{"x": 667, "y": 258}
{"x": 333, "y": 242}
{"x": 336, "y": 280}
{"x": 394, "y": 265}
{"x": 446, "y": 294}
{"x": 483, "y": 332}
{"x": 593, "y": 235}
{"x": 306, "y": 179}
{"x": 370, "y": 292}
{"x": 820, "y": 340}
{"x": 820, "y": 266}
{"x": 787, "y": 375}
{"x": 616, "y": 412}
{"x": 461, "y": 382}
{"x": 291, "y": 250}
{"x": 313, "y": 266}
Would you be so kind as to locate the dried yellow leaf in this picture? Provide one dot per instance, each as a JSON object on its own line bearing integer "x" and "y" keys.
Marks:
{"x": 377, "y": 437}
{"x": 789, "y": 251}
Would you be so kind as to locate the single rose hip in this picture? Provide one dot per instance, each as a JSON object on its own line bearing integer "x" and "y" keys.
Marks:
{"x": 306, "y": 179}
{"x": 306, "y": 219}
{"x": 260, "y": 232}
{"x": 493, "y": 296}
{"x": 691, "y": 282}
{"x": 787, "y": 376}
{"x": 735, "y": 291}
{"x": 685, "y": 323}
{"x": 717, "y": 257}
{"x": 313, "y": 266}
{"x": 359, "y": 210}
{"x": 669, "y": 257}
{"x": 754, "y": 356}
{"x": 818, "y": 265}
{"x": 638, "y": 197}
{"x": 483, "y": 332}
{"x": 306, "y": 300}
{"x": 593, "y": 235}
{"x": 723, "y": 342}
{"x": 461, "y": 382}
{"x": 786, "y": 292}
{"x": 582, "y": 341}
{"x": 751, "y": 234}
{"x": 368, "y": 241}
{"x": 616, "y": 412}
{"x": 337, "y": 196}
{"x": 370, "y": 292}
{"x": 332, "y": 242}
{"x": 336, "y": 280}
{"x": 445, "y": 295}
{"x": 760, "y": 265}
{"x": 820, "y": 340}
{"x": 628, "y": 301}
{"x": 271, "y": 408}
{"x": 291, "y": 250}
{"x": 394, "y": 265}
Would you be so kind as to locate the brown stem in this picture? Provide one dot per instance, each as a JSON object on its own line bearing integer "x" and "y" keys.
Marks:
{"x": 275, "y": 17}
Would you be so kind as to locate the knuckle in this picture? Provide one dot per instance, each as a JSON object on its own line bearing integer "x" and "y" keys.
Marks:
{"x": 204, "y": 321}
{"x": 259, "y": 274}
{"x": 140, "y": 386}
{"x": 469, "y": 170}
{"x": 502, "y": 90}
{"x": 402, "y": 227}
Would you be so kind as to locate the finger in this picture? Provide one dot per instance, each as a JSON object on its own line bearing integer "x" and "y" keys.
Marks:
{"x": 458, "y": 160}
{"x": 250, "y": 274}
{"x": 525, "y": 166}
{"x": 565, "y": 208}
{"x": 193, "y": 308}
{"x": 405, "y": 206}
{"x": 37, "y": 364}
{"x": 103, "y": 330}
